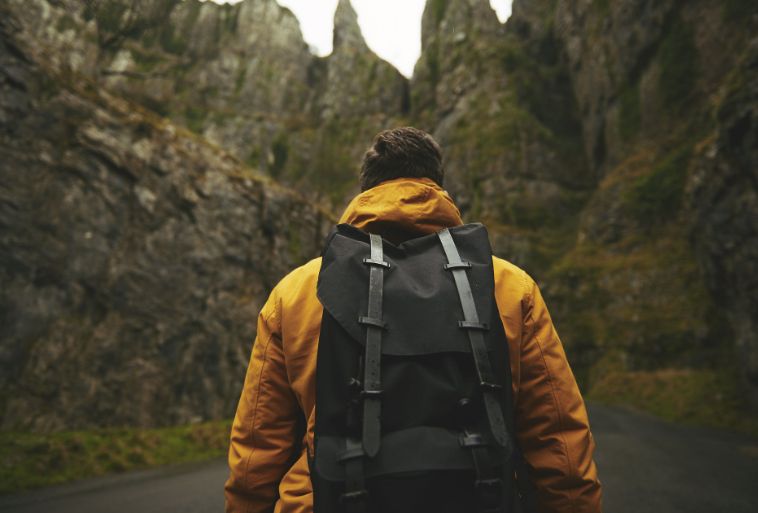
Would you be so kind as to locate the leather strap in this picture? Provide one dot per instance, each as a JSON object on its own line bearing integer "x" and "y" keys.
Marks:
{"x": 475, "y": 330}
{"x": 488, "y": 484}
{"x": 372, "y": 382}
{"x": 354, "y": 498}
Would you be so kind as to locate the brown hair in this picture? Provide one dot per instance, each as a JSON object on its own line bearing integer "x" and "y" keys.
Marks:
{"x": 405, "y": 152}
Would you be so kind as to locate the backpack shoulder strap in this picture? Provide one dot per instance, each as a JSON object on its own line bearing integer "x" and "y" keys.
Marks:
{"x": 357, "y": 450}
{"x": 474, "y": 328}
{"x": 372, "y": 381}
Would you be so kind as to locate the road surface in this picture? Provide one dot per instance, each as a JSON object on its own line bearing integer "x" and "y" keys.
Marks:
{"x": 646, "y": 466}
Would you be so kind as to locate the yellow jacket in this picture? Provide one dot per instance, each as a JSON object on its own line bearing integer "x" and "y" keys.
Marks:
{"x": 267, "y": 474}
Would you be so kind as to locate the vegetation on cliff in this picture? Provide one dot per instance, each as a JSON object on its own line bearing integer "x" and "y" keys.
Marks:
{"x": 610, "y": 147}
{"x": 31, "y": 460}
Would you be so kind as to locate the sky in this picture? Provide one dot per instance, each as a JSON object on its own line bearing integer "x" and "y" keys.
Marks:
{"x": 392, "y": 28}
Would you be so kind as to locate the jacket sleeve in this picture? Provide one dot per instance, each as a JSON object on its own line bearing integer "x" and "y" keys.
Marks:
{"x": 552, "y": 426}
{"x": 264, "y": 431}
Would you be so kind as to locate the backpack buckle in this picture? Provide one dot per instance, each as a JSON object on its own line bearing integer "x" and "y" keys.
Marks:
{"x": 490, "y": 495}
{"x": 488, "y": 483}
{"x": 472, "y": 325}
{"x": 377, "y": 263}
{"x": 468, "y": 440}
{"x": 350, "y": 497}
{"x": 354, "y": 385}
{"x": 372, "y": 321}
{"x": 457, "y": 265}
{"x": 490, "y": 387}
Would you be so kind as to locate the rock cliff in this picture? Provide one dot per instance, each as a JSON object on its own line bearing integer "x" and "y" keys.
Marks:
{"x": 134, "y": 255}
{"x": 608, "y": 146}
{"x": 603, "y": 143}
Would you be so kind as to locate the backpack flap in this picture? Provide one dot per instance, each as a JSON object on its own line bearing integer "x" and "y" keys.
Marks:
{"x": 417, "y": 449}
{"x": 416, "y": 286}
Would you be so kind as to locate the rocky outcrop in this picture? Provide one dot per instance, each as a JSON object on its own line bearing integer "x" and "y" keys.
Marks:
{"x": 498, "y": 99}
{"x": 650, "y": 80}
{"x": 574, "y": 131}
{"x": 134, "y": 255}
{"x": 608, "y": 146}
{"x": 723, "y": 196}
{"x": 241, "y": 76}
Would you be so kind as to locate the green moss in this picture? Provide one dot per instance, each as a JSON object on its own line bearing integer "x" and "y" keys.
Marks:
{"x": 31, "y": 460}
{"x": 156, "y": 105}
{"x": 294, "y": 244}
{"x": 513, "y": 57}
{"x": 239, "y": 81}
{"x": 601, "y": 6}
{"x": 230, "y": 17}
{"x": 333, "y": 170}
{"x": 65, "y": 23}
{"x": 438, "y": 7}
{"x": 629, "y": 111}
{"x": 433, "y": 64}
{"x": 644, "y": 298}
{"x": 254, "y": 158}
{"x": 170, "y": 42}
{"x": 678, "y": 61}
{"x": 655, "y": 198}
{"x": 195, "y": 118}
{"x": 192, "y": 16}
{"x": 537, "y": 74}
{"x": 145, "y": 61}
{"x": 109, "y": 15}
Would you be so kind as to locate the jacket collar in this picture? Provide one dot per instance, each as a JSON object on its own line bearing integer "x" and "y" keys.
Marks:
{"x": 402, "y": 209}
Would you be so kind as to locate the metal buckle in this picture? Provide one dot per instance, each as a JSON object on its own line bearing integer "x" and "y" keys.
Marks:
{"x": 370, "y": 321}
{"x": 457, "y": 265}
{"x": 490, "y": 387}
{"x": 378, "y": 263}
{"x": 467, "y": 440}
{"x": 488, "y": 483}
{"x": 470, "y": 325}
{"x": 353, "y": 496}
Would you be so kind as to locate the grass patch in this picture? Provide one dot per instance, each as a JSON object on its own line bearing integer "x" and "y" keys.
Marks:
{"x": 643, "y": 298}
{"x": 691, "y": 396}
{"x": 29, "y": 460}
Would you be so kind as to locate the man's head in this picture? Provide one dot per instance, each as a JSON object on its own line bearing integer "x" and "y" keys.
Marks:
{"x": 401, "y": 153}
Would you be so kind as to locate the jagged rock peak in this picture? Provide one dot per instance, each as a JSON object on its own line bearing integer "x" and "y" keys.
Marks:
{"x": 453, "y": 19}
{"x": 347, "y": 32}
{"x": 268, "y": 17}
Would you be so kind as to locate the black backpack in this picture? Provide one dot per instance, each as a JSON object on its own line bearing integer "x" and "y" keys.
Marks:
{"x": 413, "y": 384}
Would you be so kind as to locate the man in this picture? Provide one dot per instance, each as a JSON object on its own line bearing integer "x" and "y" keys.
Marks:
{"x": 402, "y": 198}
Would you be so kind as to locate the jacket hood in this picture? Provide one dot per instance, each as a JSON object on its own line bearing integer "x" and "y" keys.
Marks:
{"x": 402, "y": 209}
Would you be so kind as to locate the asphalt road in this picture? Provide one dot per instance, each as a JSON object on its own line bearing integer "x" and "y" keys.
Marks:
{"x": 646, "y": 466}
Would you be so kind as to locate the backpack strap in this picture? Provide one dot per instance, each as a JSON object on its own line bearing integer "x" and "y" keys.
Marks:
{"x": 372, "y": 381}
{"x": 488, "y": 486}
{"x": 490, "y": 389}
{"x": 354, "y": 498}
{"x": 357, "y": 449}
